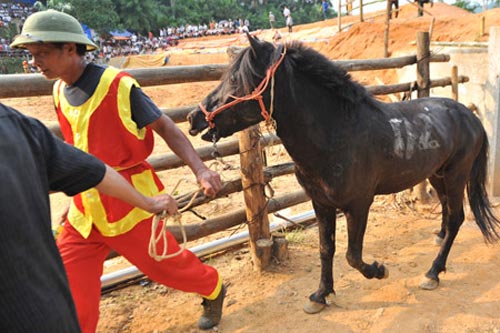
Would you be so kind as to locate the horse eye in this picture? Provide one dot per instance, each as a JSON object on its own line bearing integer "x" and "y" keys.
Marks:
{"x": 233, "y": 79}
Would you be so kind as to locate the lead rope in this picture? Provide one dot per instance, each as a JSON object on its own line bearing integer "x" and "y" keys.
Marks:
{"x": 162, "y": 234}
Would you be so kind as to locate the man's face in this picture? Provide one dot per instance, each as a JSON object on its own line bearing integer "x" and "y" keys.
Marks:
{"x": 49, "y": 59}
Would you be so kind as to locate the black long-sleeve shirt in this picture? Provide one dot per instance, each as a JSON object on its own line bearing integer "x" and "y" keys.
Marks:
{"x": 34, "y": 292}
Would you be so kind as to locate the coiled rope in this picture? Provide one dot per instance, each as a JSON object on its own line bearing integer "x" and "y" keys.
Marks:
{"x": 162, "y": 233}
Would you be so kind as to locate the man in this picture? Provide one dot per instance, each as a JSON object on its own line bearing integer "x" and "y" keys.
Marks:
{"x": 289, "y": 23}
{"x": 33, "y": 284}
{"x": 272, "y": 19}
{"x": 104, "y": 112}
{"x": 395, "y": 4}
{"x": 324, "y": 9}
{"x": 286, "y": 12}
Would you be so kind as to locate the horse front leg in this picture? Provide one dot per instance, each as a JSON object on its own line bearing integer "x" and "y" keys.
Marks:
{"x": 327, "y": 219}
{"x": 357, "y": 217}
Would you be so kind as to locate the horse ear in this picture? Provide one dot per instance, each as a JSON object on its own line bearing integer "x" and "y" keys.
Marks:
{"x": 255, "y": 44}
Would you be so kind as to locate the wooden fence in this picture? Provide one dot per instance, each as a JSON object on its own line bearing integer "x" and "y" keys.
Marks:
{"x": 35, "y": 85}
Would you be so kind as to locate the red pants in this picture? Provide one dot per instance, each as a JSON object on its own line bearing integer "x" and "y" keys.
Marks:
{"x": 84, "y": 258}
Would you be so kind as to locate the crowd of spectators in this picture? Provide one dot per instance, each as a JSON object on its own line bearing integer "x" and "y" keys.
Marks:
{"x": 129, "y": 44}
{"x": 12, "y": 13}
{"x": 133, "y": 44}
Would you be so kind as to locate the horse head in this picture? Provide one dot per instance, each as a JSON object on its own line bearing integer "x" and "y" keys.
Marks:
{"x": 242, "y": 97}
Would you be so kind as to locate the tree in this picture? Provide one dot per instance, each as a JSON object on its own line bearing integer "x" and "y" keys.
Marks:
{"x": 60, "y": 5}
{"x": 99, "y": 15}
{"x": 138, "y": 15}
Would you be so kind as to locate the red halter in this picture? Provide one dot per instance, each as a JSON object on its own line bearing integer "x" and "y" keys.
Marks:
{"x": 255, "y": 95}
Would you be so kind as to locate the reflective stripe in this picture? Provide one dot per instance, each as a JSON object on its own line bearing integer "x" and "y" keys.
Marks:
{"x": 95, "y": 212}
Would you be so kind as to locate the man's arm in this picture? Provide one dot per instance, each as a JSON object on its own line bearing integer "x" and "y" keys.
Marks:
{"x": 113, "y": 184}
{"x": 182, "y": 147}
{"x": 72, "y": 171}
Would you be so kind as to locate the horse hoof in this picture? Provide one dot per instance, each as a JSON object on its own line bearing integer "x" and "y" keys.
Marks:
{"x": 385, "y": 269}
{"x": 386, "y": 273}
{"x": 438, "y": 240}
{"x": 313, "y": 307}
{"x": 428, "y": 284}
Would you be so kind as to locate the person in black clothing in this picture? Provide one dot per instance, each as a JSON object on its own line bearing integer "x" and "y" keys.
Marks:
{"x": 35, "y": 295}
{"x": 395, "y": 4}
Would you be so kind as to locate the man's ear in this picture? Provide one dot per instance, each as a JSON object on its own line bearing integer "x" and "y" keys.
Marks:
{"x": 70, "y": 47}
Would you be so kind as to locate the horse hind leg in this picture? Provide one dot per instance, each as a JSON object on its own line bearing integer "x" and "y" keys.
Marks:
{"x": 455, "y": 194}
{"x": 438, "y": 184}
{"x": 357, "y": 217}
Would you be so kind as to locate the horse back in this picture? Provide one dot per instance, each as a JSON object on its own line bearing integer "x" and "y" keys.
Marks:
{"x": 426, "y": 136}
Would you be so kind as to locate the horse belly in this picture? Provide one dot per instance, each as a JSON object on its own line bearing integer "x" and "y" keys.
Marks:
{"x": 397, "y": 180}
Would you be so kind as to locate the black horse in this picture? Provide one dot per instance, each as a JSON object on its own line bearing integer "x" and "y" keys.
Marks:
{"x": 348, "y": 146}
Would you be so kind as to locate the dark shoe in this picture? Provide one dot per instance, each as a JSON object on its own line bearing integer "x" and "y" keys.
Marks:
{"x": 212, "y": 311}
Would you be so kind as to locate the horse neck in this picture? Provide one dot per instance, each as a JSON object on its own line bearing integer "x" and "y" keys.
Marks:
{"x": 316, "y": 118}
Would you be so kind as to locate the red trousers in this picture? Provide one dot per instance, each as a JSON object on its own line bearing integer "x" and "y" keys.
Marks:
{"x": 84, "y": 259}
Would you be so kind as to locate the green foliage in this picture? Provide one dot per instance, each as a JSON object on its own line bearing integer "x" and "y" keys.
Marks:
{"x": 8, "y": 32}
{"x": 101, "y": 15}
{"x": 467, "y": 5}
{"x": 11, "y": 65}
{"x": 150, "y": 15}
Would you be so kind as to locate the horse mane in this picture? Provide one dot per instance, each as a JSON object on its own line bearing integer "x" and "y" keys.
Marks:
{"x": 299, "y": 59}
{"x": 323, "y": 72}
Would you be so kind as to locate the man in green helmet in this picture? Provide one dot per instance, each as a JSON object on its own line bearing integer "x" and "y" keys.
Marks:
{"x": 103, "y": 111}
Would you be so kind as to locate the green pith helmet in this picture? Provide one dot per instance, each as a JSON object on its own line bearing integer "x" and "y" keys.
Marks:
{"x": 51, "y": 26}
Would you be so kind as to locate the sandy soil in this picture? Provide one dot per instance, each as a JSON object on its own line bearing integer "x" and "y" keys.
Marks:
{"x": 400, "y": 235}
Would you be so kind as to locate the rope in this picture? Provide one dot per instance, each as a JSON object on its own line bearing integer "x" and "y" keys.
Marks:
{"x": 162, "y": 234}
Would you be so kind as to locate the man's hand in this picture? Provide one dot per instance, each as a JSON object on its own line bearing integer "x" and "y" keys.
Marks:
{"x": 162, "y": 202}
{"x": 210, "y": 182}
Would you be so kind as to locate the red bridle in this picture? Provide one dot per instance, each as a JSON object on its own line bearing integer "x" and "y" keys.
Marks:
{"x": 256, "y": 94}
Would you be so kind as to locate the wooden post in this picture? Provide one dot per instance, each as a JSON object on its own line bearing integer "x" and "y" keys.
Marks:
{"x": 280, "y": 246}
{"x": 481, "y": 27}
{"x": 339, "y": 19}
{"x": 387, "y": 26}
{"x": 361, "y": 19}
{"x": 423, "y": 83}
{"x": 454, "y": 83}
{"x": 252, "y": 180}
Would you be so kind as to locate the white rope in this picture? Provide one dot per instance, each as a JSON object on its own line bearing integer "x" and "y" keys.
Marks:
{"x": 162, "y": 234}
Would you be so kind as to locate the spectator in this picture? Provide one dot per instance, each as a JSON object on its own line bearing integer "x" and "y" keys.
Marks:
{"x": 276, "y": 36}
{"x": 324, "y": 9}
{"x": 35, "y": 291}
{"x": 395, "y": 4}
{"x": 286, "y": 12}
{"x": 104, "y": 112}
{"x": 289, "y": 23}
{"x": 272, "y": 19}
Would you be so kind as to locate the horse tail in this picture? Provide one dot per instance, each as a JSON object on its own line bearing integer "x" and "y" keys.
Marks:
{"x": 478, "y": 197}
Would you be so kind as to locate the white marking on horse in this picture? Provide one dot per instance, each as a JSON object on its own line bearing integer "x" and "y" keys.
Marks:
{"x": 407, "y": 141}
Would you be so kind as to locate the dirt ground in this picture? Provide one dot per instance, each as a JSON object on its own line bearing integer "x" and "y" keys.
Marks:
{"x": 398, "y": 234}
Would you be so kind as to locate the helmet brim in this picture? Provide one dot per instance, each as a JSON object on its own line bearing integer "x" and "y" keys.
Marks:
{"x": 24, "y": 39}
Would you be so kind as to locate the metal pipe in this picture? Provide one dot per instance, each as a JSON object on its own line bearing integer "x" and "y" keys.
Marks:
{"x": 131, "y": 273}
